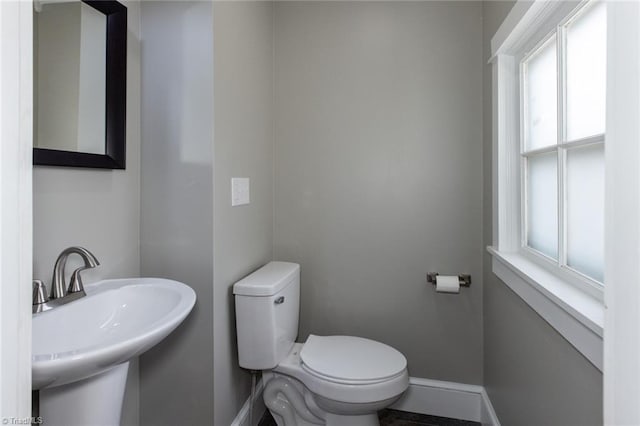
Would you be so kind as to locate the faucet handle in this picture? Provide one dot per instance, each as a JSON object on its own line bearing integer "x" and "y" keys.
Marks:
{"x": 75, "y": 284}
{"x": 39, "y": 292}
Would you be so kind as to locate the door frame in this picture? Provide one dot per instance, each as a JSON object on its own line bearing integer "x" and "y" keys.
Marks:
{"x": 16, "y": 139}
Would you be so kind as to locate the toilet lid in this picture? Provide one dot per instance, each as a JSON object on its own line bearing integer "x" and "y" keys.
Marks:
{"x": 349, "y": 358}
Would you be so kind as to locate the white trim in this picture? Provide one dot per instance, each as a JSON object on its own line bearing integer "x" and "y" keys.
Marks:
{"x": 242, "y": 419}
{"x": 424, "y": 396}
{"x": 507, "y": 146}
{"x": 525, "y": 19}
{"x": 15, "y": 209}
{"x": 622, "y": 213}
{"x": 517, "y": 14}
{"x": 488, "y": 416}
{"x": 565, "y": 273}
{"x": 577, "y": 316}
{"x": 447, "y": 399}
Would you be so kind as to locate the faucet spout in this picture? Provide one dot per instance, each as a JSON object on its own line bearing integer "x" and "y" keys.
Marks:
{"x": 58, "y": 287}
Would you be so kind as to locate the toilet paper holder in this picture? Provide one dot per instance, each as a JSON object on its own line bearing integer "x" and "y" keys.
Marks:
{"x": 465, "y": 279}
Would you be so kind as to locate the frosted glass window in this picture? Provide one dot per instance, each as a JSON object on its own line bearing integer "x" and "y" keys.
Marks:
{"x": 541, "y": 100}
{"x": 586, "y": 73}
{"x": 542, "y": 204}
{"x": 562, "y": 149}
{"x": 585, "y": 210}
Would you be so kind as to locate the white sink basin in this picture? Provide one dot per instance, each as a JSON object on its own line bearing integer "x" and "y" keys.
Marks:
{"x": 116, "y": 321}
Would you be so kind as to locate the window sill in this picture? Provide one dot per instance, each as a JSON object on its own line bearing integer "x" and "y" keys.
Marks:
{"x": 577, "y": 316}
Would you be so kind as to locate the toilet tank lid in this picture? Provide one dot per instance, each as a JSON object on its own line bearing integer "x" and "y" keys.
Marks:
{"x": 268, "y": 280}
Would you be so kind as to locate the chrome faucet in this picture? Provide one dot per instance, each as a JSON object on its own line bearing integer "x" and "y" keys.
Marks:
{"x": 60, "y": 294}
{"x": 58, "y": 289}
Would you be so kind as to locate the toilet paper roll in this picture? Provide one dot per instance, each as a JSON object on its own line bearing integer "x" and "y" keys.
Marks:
{"x": 447, "y": 284}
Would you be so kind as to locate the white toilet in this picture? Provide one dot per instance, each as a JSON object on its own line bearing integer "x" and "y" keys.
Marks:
{"x": 328, "y": 380}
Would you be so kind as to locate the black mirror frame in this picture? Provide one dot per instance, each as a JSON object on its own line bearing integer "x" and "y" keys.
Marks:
{"x": 116, "y": 100}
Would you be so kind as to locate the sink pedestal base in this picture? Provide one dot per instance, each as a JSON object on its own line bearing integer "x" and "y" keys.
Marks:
{"x": 93, "y": 401}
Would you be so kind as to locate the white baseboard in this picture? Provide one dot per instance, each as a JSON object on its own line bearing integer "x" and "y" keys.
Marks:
{"x": 488, "y": 416}
{"x": 424, "y": 396}
{"x": 242, "y": 419}
{"x": 448, "y": 399}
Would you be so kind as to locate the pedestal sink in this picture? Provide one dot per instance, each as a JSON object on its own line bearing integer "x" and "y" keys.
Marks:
{"x": 81, "y": 350}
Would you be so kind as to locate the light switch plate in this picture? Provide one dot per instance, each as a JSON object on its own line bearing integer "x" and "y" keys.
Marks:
{"x": 240, "y": 191}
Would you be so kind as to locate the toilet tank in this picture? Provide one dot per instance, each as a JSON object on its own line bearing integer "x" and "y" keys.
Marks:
{"x": 267, "y": 308}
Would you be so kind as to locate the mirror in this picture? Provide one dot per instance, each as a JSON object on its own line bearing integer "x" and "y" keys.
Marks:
{"x": 80, "y": 51}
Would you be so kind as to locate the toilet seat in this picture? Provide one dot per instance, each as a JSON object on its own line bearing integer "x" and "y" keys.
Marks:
{"x": 351, "y": 360}
{"x": 342, "y": 389}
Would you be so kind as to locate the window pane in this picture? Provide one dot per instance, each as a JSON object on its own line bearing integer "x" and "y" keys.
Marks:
{"x": 586, "y": 73}
{"x": 542, "y": 204}
{"x": 541, "y": 97}
{"x": 585, "y": 210}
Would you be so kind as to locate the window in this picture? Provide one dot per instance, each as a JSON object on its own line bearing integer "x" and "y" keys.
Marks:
{"x": 562, "y": 137}
{"x": 547, "y": 187}
{"x": 550, "y": 94}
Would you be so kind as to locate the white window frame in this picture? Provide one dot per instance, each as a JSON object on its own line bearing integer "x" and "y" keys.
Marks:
{"x": 562, "y": 146}
{"x": 576, "y": 315}
{"x": 571, "y": 302}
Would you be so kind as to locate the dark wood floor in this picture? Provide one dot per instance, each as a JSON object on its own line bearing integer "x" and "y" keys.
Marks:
{"x": 398, "y": 418}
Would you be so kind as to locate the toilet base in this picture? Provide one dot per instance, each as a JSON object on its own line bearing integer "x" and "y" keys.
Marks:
{"x": 292, "y": 404}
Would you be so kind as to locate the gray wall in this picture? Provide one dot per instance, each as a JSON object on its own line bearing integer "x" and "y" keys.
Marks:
{"x": 243, "y": 235}
{"x": 96, "y": 209}
{"x": 176, "y": 376}
{"x": 377, "y": 173}
{"x": 533, "y": 376}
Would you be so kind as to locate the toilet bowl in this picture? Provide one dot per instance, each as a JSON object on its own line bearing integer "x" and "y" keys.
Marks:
{"x": 348, "y": 379}
{"x": 328, "y": 380}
